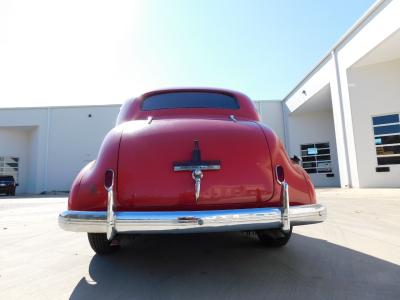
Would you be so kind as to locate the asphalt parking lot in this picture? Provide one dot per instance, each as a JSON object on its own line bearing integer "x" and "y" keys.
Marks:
{"x": 355, "y": 254}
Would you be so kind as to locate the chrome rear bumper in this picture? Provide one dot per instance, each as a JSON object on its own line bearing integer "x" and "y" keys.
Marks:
{"x": 191, "y": 221}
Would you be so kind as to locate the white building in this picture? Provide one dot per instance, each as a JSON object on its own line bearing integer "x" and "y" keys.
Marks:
{"x": 44, "y": 148}
{"x": 342, "y": 119}
{"x": 351, "y": 101}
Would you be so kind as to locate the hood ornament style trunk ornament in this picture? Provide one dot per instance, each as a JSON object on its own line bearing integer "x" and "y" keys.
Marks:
{"x": 197, "y": 166}
{"x": 197, "y": 174}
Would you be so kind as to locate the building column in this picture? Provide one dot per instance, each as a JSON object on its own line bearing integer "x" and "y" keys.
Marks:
{"x": 348, "y": 129}
{"x": 343, "y": 125}
{"x": 339, "y": 124}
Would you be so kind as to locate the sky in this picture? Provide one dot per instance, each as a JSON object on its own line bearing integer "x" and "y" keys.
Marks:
{"x": 103, "y": 52}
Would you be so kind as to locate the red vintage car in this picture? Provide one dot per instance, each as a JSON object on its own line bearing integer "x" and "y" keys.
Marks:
{"x": 190, "y": 160}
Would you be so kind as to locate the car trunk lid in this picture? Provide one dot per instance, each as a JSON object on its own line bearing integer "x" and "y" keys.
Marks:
{"x": 233, "y": 158}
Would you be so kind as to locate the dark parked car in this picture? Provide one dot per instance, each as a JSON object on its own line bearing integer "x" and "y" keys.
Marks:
{"x": 7, "y": 185}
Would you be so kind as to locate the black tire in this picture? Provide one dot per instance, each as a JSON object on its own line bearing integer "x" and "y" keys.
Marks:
{"x": 274, "y": 237}
{"x": 12, "y": 193}
{"x": 100, "y": 244}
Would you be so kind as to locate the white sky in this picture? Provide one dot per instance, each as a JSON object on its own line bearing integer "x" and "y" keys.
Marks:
{"x": 69, "y": 53}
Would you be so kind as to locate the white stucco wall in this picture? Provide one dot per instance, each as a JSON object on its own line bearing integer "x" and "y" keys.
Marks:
{"x": 316, "y": 127}
{"x": 57, "y": 143}
{"x": 35, "y": 178}
{"x": 272, "y": 115}
{"x": 75, "y": 139}
{"x": 374, "y": 90}
{"x": 322, "y": 76}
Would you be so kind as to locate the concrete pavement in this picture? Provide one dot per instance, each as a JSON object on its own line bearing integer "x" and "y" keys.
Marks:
{"x": 354, "y": 255}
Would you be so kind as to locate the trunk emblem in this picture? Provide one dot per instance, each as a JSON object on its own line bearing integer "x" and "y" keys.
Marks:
{"x": 197, "y": 166}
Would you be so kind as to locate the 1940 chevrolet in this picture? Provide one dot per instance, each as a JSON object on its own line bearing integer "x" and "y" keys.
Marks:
{"x": 190, "y": 160}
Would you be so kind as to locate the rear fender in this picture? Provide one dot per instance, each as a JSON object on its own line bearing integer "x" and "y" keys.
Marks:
{"x": 301, "y": 190}
{"x": 88, "y": 192}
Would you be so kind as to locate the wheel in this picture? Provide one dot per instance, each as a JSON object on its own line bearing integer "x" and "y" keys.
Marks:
{"x": 274, "y": 237}
{"x": 12, "y": 193}
{"x": 100, "y": 244}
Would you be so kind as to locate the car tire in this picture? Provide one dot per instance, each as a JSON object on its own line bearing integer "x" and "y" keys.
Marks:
{"x": 12, "y": 193}
{"x": 274, "y": 237}
{"x": 100, "y": 244}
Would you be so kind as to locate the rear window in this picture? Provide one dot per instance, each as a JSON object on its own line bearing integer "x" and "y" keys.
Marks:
{"x": 189, "y": 100}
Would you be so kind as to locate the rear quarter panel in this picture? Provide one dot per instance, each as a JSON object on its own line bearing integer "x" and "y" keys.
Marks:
{"x": 88, "y": 191}
{"x": 301, "y": 190}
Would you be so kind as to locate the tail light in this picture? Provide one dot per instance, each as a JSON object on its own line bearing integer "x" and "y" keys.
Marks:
{"x": 280, "y": 174}
{"x": 109, "y": 179}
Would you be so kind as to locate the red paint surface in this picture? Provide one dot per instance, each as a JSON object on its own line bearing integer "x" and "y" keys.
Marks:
{"x": 142, "y": 155}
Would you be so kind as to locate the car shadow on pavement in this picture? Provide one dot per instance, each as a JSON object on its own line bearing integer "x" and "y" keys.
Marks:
{"x": 236, "y": 266}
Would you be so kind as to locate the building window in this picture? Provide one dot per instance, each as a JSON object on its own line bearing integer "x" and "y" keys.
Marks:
{"x": 387, "y": 139}
{"x": 9, "y": 166}
{"x": 316, "y": 158}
